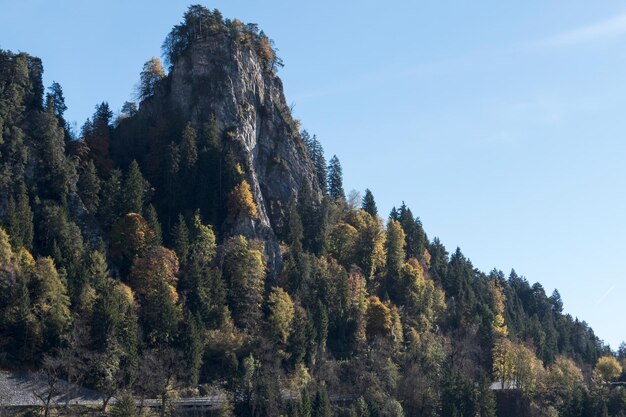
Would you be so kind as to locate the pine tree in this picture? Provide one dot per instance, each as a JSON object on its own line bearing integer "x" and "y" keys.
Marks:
{"x": 313, "y": 229}
{"x": 416, "y": 240}
{"x": 369, "y": 205}
{"x": 97, "y": 269}
{"x": 394, "y": 246}
{"x": 135, "y": 189}
{"x": 111, "y": 202}
{"x": 335, "y": 180}
{"x": 125, "y": 406}
{"x": 188, "y": 148}
{"x": 194, "y": 347}
{"x": 209, "y": 171}
{"x": 244, "y": 271}
{"x": 97, "y": 137}
{"x": 321, "y": 405}
{"x": 56, "y": 100}
{"x": 153, "y": 221}
{"x": 180, "y": 235}
{"x": 51, "y": 303}
{"x": 295, "y": 231}
{"x": 151, "y": 74}
{"x": 281, "y": 314}
{"x": 316, "y": 153}
{"x": 202, "y": 282}
{"x": 89, "y": 187}
{"x": 19, "y": 220}
{"x": 305, "y": 407}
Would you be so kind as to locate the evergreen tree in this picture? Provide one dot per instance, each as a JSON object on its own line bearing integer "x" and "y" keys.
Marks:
{"x": 295, "y": 231}
{"x": 394, "y": 246}
{"x": 557, "y": 301}
{"x": 97, "y": 136}
{"x": 151, "y": 74}
{"x": 305, "y": 408}
{"x": 180, "y": 236}
{"x": 89, "y": 186}
{"x": 129, "y": 109}
{"x": 19, "y": 220}
{"x": 244, "y": 271}
{"x": 321, "y": 404}
{"x": 56, "y": 101}
{"x": 153, "y": 221}
{"x": 312, "y": 221}
{"x": 202, "y": 282}
{"x": 188, "y": 148}
{"x": 369, "y": 205}
{"x": 125, "y": 406}
{"x": 416, "y": 240}
{"x": 154, "y": 278}
{"x": 193, "y": 347}
{"x": 51, "y": 303}
{"x": 281, "y": 314}
{"x": 335, "y": 180}
{"x": 316, "y": 153}
{"x": 135, "y": 189}
{"x": 111, "y": 206}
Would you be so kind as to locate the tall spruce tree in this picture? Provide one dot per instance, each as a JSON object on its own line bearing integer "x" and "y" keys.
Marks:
{"x": 180, "y": 236}
{"x": 89, "y": 186}
{"x": 153, "y": 221}
{"x": 335, "y": 180}
{"x": 316, "y": 153}
{"x": 416, "y": 240}
{"x": 394, "y": 246}
{"x": 135, "y": 189}
{"x": 369, "y": 204}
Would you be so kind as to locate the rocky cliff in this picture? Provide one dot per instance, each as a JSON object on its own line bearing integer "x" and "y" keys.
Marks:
{"x": 218, "y": 76}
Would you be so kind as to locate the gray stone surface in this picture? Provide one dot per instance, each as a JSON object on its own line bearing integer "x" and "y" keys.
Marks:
{"x": 219, "y": 77}
{"x": 19, "y": 388}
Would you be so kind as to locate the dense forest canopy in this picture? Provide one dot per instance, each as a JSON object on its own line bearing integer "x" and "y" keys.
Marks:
{"x": 122, "y": 269}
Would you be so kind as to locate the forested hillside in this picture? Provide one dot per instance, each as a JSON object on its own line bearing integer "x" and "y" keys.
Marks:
{"x": 200, "y": 242}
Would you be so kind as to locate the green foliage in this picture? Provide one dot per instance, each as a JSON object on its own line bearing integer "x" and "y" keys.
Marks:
{"x": 281, "y": 314}
{"x": 316, "y": 153}
{"x": 135, "y": 190}
{"x": 244, "y": 273}
{"x": 125, "y": 406}
{"x": 416, "y": 239}
{"x": 89, "y": 186}
{"x": 19, "y": 220}
{"x": 369, "y": 204}
{"x": 394, "y": 248}
{"x": 608, "y": 368}
{"x": 151, "y": 74}
{"x": 377, "y": 316}
{"x": 153, "y": 278}
{"x": 50, "y": 302}
{"x": 202, "y": 282}
{"x": 180, "y": 236}
{"x": 342, "y": 243}
{"x": 321, "y": 404}
{"x": 111, "y": 207}
{"x": 155, "y": 225}
{"x": 335, "y": 179}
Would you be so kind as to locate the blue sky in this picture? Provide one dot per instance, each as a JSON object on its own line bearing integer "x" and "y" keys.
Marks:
{"x": 501, "y": 124}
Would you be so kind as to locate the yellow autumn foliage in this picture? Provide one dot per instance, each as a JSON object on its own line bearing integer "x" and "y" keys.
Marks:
{"x": 241, "y": 201}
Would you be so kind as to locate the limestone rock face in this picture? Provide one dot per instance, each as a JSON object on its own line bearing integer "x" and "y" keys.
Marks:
{"x": 219, "y": 77}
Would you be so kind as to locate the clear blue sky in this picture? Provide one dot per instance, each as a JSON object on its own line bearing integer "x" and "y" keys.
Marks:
{"x": 501, "y": 124}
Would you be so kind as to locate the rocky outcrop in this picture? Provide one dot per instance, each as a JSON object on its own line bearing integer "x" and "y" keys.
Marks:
{"x": 218, "y": 76}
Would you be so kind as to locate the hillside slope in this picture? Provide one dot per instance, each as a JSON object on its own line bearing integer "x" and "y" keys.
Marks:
{"x": 199, "y": 244}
